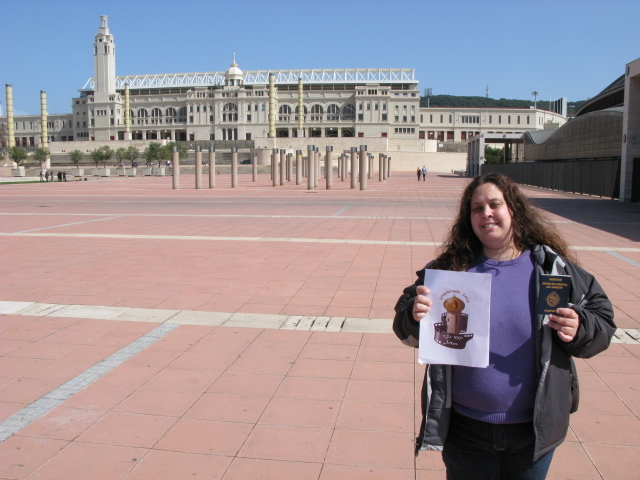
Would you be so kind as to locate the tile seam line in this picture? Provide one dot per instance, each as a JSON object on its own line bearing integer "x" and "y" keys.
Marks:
{"x": 43, "y": 405}
{"x": 277, "y": 239}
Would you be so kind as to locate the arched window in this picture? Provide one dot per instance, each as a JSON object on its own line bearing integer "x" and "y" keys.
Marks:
{"x": 142, "y": 116}
{"x": 156, "y": 112}
{"x": 171, "y": 112}
{"x": 333, "y": 112}
{"x": 285, "y": 112}
{"x": 230, "y": 112}
{"x": 349, "y": 112}
{"x": 316, "y": 113}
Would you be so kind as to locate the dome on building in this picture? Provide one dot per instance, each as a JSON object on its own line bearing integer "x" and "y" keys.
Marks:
{"x": 234, "y": 76}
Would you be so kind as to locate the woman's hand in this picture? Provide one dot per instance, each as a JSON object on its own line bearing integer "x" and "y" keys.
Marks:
{"x": 421, "y": 304}
{"x": 566, "y": 321}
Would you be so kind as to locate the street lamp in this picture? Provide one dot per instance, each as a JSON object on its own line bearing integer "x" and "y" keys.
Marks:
{"x": 535, "y": 99}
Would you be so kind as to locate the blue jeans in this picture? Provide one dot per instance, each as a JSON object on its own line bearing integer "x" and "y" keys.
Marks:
{"x": 477, "y": 450}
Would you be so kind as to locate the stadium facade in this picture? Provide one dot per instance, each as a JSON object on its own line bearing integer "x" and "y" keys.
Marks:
{"x": 263, "y": 109}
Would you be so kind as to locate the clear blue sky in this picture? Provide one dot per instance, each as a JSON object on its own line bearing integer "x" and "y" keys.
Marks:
{"x": 561, "y": 48}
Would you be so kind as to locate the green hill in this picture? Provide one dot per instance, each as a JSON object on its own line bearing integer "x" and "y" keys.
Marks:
{"x": 485, "y": 102}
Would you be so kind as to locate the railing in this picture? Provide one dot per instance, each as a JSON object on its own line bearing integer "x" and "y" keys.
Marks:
{"x": 598, "y": 177}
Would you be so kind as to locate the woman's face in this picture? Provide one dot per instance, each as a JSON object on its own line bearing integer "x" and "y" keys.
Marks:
{"x": 491, "y": 220}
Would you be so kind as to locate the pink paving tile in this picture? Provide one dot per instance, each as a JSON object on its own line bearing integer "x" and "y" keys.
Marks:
{"x": 8, "y": 409}
{"x": 429, "y": 460}
{"x": 310, "y": 367}
{"x": 371, "y": 448}
{"x": 330, "y": 352}
{"x": 261, "y": 365}
{"x": 399, "y": 372}
{"x": 340, "y": 472}
{"x": 376, "y": 416}
{"x": 615, "y": 462}
{"x": 154, "y": 401}
{"x": 570, "y": 460}
{"x": 23, "y": 455}
{"x": 605, "y": 403}
{"x": 313, "y": 388}
{"x": 27, "y": 390}
{"x": 228, "y": 408}
{"x": 79, "y": 461}
{"x": 609, "y": 429}
{"x": 100, "y": 396}
{"x": 244, "y": 384}
{"x": 287, "y": 443}
{"x": 246, "y": 468}
{"x": 164, "y": 465}
{"x": 301, "y": 413}
{"x": 129, "y": 430}
{"x": 63, "y": 423}
{"x": 206, "y": 437}
{"x": 380, "y": 391}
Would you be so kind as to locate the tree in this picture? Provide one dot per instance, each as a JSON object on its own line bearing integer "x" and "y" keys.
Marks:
{"x": 132, "y": 154}
{"x": 102, "y": 154}
{"x": 121, "y": 154}
{"x": 182, "y": 150}
{"x": 152, "y": 153}
{"x": 17, "y": 154}
{"x": 493, "y": 155}
{"x": 75, "y": 156}
{"x": 41, "y": 155}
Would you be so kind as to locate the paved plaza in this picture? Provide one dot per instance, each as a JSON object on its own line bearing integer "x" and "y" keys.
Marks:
{"x": 152, "y": 333}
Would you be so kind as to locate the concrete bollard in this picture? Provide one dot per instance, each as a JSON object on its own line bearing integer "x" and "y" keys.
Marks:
{"x": 328, "y": 167}
{"x": 283, "y": 166}
{"x": 234, "y": 167}
{"x": 298, "y": 167}
{"x": 354, "y": 167}
{"x": 212, "y": 167}
{"x": 310, "y": 167}
{"x": 274, "y": 166}
{"x": 254, "y": 166}
{"x": 363, "y": 167}
{"x": 380, "y": 167}
{"x": 175, "y": 161}
{"x": 198, "y": 167}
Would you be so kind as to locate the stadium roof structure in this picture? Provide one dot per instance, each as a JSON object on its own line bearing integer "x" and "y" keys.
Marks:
{"x": 612, "y": 96}
{"x": 261, "y": 77}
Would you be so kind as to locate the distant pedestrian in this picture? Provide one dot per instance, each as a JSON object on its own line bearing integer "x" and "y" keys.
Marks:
{"x": 419, "y": 173}
{"x": 46, "y": 176}
{"x": 59, "y": 176}
{"x": 41, "y": 176}
{"x": 424, "y": 174}
{"x": 51, "y": 176}
{"x": 64, "y": 175}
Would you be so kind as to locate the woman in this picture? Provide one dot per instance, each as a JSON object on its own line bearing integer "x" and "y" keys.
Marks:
{"x": 504, "y": 421}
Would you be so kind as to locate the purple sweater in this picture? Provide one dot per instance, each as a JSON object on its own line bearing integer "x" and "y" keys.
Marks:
{"x": 504, "y": 392}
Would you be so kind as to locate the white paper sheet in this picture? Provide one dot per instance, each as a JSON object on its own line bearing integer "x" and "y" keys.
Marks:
{"x": 455, "y": 331}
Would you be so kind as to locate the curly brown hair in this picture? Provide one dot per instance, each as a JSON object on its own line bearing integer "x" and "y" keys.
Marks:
{"x": 530, "y": 228}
